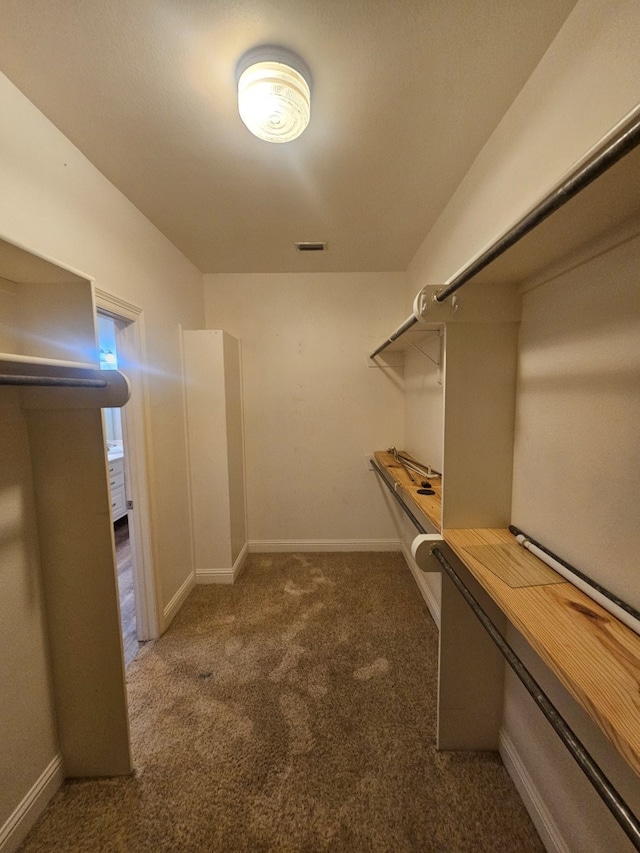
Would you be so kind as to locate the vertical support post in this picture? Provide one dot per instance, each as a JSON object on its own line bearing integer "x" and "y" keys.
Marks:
{"x": 471, "y": 670}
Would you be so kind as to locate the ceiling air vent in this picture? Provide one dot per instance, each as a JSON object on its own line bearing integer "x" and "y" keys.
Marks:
{"x": 311, "y": 247}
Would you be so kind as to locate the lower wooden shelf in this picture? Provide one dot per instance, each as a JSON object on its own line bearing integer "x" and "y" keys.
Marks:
{"x": 594, "y": 655}
{"x": 429, "y": 506}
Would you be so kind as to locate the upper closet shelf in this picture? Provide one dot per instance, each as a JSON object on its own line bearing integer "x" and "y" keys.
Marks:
{"x": 600, "y": 194}
{"x": 602, "y": 207}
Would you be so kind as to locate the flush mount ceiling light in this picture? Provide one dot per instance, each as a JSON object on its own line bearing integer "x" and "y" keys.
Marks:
{"x": 274, "y": 93}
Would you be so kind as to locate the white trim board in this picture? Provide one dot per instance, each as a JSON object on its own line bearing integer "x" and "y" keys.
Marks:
{"x": 179, "y": 598}
{"x": 531, "y": 797}
{"x": 275, "y": 546}
{"x": 227, "y": 576}
{"x": 430, "y": 600}
{"x": 32, "y": 805}
{"x": 131, "y": 343}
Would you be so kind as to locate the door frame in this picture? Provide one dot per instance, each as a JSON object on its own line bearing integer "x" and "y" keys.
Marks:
{"x": 130, "y": 345}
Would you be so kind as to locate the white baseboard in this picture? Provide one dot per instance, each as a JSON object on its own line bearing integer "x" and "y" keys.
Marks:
{"x": 224, "y": 575}
{"x": 275, "y": 546}
{"x": 238, "y": 566}
{"x": 430, "y": 600}
{"x": 531, "y": 797}
{"x": 178, "y": 599}
{"x": 215, "y": 576}
{"x": 27, "y": 812}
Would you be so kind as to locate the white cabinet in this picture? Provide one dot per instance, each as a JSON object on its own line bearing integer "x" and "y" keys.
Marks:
{"x": 116, "y": 489}
{"x": 216, "y": 454}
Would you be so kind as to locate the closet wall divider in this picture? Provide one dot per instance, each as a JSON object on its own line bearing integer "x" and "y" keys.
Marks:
{"x": 55, "y": 491}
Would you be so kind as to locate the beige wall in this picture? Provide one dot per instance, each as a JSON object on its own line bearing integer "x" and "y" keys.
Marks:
{"x": 577, "y": 447}
{"x": 575, "y": 485}
{"x": 313, "y": 408}
{"x": 424, "y": 401}
{"x": 55, "y": 203}
{"x": 27, "y": 717}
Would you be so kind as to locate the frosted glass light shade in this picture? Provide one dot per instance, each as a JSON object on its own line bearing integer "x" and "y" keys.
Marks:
{"x": 274, "y": 101}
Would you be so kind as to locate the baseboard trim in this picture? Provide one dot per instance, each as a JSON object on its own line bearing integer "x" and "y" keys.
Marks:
{"x": 275, "y": 546}
{"x": 27, "y": 812}
{"x": 238, "y": 566}
{"x": 531, "y": 797}
{"x": 227, "y": 576}
{"x": 430, "y": 600}
{"x": 206, "y": 576}
{"x": 178, "y": 599}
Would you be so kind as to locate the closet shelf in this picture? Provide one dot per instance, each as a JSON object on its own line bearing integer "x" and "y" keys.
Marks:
{"x": 594, "y": 655}
{"x": 599, "y": 194}
{"x": 48, "y": 383}
{"x": 428, "y": 506}
{"x": 600, "y": 209}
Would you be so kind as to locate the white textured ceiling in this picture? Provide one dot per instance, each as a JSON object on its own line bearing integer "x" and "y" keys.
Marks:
{"x": 405, "y": 94}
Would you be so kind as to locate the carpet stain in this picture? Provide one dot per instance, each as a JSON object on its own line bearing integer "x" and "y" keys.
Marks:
{"x": 290, "y": 661}
{"x": 233, "y": 646}
{"x": 297, "y": 716}
{"x": 380, "y": 666}
{"x": 315, "y": 580}
{"x": 300, "y": 624}
{"x": 318, "y": 681}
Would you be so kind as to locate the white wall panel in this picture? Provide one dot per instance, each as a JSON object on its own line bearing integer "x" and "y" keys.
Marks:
{"x": 577, "y": 444}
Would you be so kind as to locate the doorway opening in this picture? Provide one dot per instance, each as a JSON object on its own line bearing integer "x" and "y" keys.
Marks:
{"x": 120, "y": 341}
{"x": 116, "y": 454}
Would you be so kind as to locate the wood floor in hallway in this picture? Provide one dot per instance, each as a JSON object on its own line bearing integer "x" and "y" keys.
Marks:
{"x": 125, "y": 589}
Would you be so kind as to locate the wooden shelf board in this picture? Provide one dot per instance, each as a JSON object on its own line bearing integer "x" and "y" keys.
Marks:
{"x": 427, "y": 505}
{"x": 595, "y": 656}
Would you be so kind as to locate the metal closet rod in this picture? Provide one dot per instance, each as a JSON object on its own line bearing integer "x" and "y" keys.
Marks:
{"x": 403, "y": 506}
{"x": 408, "y": 323}
{"x": 51, "y": 381}
{"x": 625, "y": 142}
{"x": 611, "y": 798}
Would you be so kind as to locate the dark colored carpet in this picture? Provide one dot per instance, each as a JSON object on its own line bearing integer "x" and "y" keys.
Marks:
{"x": 294, "y": 711}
